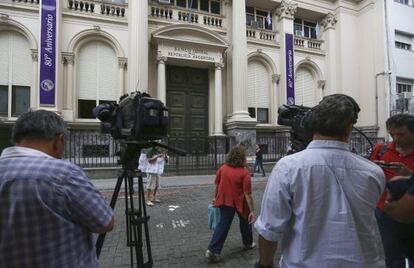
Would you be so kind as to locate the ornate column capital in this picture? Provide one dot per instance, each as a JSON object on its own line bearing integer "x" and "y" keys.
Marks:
{"x": 34, "y": 54}
{"x": 68, "y": 58}
{"x": 321, "y": 84}
{"x": 122, "y": 62}
{"x": 161, "y": 59}
{"x": 329, "y": 22}
{"x": 286, "y": 10}
{"x": 227, "y": 2}
{"x": 218, "y": 65}
{"x": 275, "y": 78}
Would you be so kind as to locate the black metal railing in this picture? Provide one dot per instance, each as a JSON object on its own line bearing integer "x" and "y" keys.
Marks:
{"x": 204, "y": 154}
{"x": 91, "y": 150}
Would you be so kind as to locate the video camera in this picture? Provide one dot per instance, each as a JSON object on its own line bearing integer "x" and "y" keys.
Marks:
{"x": 296, "y": 117}
{"x": 137, "y": 117}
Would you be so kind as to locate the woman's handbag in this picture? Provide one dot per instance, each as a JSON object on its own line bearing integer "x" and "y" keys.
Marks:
{"x": 213, "y": 217}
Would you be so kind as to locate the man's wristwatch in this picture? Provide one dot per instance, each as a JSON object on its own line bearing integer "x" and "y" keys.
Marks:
{"x": 258, "y": 265}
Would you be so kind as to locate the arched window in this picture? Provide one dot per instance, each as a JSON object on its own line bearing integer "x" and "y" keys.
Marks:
{"x": 305, "y": 87}
{"x": 15, "y": 74}
{"x": 97, "y": 79}
{"x": 258, "y": 83}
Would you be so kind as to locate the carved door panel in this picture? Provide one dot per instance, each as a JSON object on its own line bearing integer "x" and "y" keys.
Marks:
{"x": 187, "y": 100}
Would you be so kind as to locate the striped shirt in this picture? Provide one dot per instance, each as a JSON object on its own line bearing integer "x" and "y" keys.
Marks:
{"x": 48, "y": 210}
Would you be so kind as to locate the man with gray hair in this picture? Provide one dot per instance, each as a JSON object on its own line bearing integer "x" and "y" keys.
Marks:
{"x": 49, "y": 208}
{"x": 320, "y": 202}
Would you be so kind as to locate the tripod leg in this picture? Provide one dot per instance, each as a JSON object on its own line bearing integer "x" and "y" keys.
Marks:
{"x": 101, "y": 237}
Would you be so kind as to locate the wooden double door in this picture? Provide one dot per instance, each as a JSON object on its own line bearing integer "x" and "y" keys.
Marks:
{"x": 187, "y": 100}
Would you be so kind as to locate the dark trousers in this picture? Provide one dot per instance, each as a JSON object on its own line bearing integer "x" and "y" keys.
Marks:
{"x": 258, "y": 163}
{"x": 391, "y": 240}
{"x": 223, "y": 227}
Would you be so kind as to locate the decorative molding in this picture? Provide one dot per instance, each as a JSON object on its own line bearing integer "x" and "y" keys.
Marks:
{"x": 4, "y": 17}
{"x": 218, "y": 65}
{"x": 286, "y": 10}
{"x": 329, "y": 22}
{"x": 122, "y": 62}
{"x": 161, "y": 59}
{"x": 68, "y": 58}
{"x": 321, "y": 84}
{"x": 227, "y": 2}
{"x": 34, "y": 54}
{"x": 275, "y": 78}
{"x": 97, "y": 28}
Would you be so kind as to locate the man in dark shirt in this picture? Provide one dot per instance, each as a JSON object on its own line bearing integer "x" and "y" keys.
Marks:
{"x": 259, "y": 161}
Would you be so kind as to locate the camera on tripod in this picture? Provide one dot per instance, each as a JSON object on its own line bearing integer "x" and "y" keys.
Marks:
{"x": 137, "y": 117}
{"x": 296, "y": 117}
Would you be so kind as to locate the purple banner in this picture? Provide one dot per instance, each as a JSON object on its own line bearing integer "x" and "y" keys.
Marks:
{"x": 47, "y": 55}
{"x": 290, "y": 72}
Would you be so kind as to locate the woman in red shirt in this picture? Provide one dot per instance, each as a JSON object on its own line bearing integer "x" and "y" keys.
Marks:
{"x": 233, "y": 194}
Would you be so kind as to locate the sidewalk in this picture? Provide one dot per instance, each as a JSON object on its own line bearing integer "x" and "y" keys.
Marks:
{"x": 178, "y": 227}
{"x": 168, "y": 182}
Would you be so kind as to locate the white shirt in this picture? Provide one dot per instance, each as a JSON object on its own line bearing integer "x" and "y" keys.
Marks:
{"x": 320, "y": 203}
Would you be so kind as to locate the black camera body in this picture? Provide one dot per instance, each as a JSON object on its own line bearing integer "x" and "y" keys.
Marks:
{"x": 137, "y": 117}
{"x": 296, "y": 117}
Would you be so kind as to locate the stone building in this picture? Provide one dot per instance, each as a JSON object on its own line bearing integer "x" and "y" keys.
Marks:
{"x": 222, "y": 67}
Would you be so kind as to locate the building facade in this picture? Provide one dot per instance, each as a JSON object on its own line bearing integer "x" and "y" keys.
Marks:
{"x": 400, "y": 57}
{"x": 222, "y": 67}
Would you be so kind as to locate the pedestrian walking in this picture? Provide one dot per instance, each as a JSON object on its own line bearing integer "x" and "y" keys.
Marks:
{"x": 233, "y": 195}
{"x": 258, "y": 161}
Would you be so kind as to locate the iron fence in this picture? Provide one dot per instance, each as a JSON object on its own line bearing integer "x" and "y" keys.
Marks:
{"x": 204, "y": 154}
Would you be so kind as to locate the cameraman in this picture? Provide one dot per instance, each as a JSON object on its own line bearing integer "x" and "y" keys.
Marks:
{"x": 399, "y": 151}
{"x": 49, "y": 208}
{"x": 319, "y": 203}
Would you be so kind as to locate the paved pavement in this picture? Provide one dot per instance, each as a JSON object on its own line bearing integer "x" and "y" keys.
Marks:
{"x": 178, "y": 226}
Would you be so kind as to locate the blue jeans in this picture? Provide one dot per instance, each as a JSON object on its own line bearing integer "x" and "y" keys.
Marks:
{"x": 391, "y": 240}
{"x": 223, "y": 227}
{"x": 258, "y": 163}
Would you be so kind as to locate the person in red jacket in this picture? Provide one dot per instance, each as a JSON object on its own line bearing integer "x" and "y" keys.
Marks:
{"x": 401, "y": 152}
{"x": 233, "y": 195}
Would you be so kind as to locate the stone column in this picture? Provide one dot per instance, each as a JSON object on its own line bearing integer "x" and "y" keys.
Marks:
{"x": 240, "y": 125}
{"x": 218, "y": 99}
{"x": 138, "y": 46}
{"x": 34, "y": 92}
{"x": 328, "y": 28}
{"x": 239, "y": 67}
{"x": 285, "y": 13}
{"x": 122, "y": 64}
{"x": 68, "y": 60}
{"x": 161, "y": 79}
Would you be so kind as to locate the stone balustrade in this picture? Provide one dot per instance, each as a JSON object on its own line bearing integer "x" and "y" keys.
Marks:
{"x": 98, "y": 7}
{"x": 304, "y": 42}
{"x": 261, "y": 35}
{"x": 33, "y": 2}
{"x": 177, "y": 15}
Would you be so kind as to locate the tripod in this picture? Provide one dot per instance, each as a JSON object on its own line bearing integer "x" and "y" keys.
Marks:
{"x": 136, "y": 216}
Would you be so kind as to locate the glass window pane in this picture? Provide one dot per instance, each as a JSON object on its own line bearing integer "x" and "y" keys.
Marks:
{"x": 249, "y": 9}
{"x": 4, "y": 99}
{"x": 260, "y": 22}
{"x": 252, "y": 112}
{"x": 249, "y": 19}
{"x": 193, "y": 3}
{"x": 182, "y": 3}
{"x": 85, "y": 108}
{"x": 262, "y": 115}
{"x": 311, "y": 24}
{"x": 261, "y": 13}
{"x": 204, "y": 5}
{"x": 20, "y": 100}
{"x": 298, "y": 21}
{"x": 215, "y": 7}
